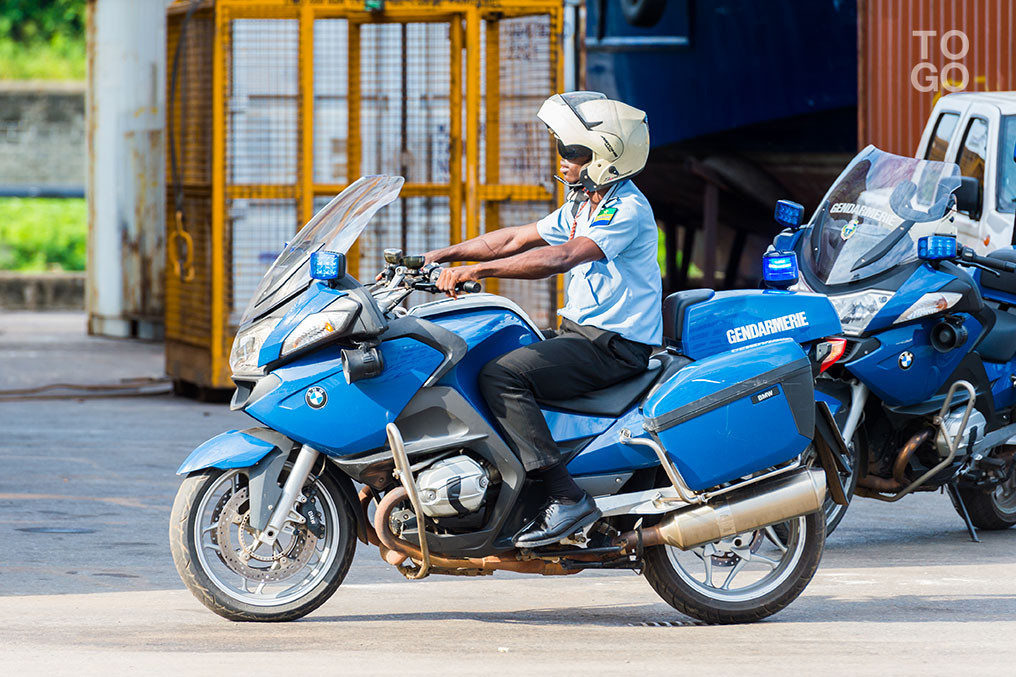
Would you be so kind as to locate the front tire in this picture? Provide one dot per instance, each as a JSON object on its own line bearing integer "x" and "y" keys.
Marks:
{"x": 214, "y": 549}
{"x": 771, "y": 566}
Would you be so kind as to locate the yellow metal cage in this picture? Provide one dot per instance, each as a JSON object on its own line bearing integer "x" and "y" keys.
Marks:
{"x": 277, "y": 105}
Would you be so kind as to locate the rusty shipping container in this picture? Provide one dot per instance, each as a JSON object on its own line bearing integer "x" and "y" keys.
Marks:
{"x": 913, "y": 52}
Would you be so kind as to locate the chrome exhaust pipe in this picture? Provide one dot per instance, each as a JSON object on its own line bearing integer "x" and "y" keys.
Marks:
{"x": 756, "y": 506}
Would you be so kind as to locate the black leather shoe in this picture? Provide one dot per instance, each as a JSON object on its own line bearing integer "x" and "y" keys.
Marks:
{"x": 556, "y": 521}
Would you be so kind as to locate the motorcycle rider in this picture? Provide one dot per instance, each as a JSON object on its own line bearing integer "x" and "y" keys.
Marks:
{"x": 606, "y": 236}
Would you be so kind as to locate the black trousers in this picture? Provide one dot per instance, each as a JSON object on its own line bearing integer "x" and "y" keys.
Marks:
{"x": 578, "y": 360}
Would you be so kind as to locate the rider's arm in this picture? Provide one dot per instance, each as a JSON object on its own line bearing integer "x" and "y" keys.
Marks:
{"x": 543, "y": 262}
{"x": 489, "y": 246}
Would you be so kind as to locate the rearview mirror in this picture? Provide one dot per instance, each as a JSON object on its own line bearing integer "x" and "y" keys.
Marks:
{"x": 789, "y": 214}
{"x": 968, "y": 197}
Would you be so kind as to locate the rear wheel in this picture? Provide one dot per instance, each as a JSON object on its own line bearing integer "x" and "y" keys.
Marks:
{"x": 742, "y": 578}
{"x": 992, "y": 510}
{"x": 217, "y": 555}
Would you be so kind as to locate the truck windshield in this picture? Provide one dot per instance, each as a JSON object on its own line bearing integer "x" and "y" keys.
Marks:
{"x": 1007, "y": 166}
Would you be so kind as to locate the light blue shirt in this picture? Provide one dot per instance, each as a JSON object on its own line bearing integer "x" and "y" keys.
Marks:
{"x": 622, "y": 292}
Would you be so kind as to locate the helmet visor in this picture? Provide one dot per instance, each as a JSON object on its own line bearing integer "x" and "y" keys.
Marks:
{"x": 574, "y": 153}
{"x": 575, "y": 99}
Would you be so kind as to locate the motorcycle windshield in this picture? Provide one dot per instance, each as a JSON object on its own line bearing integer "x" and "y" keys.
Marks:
{"x": 865, "y": 225}
{"x": 334, "y": 228}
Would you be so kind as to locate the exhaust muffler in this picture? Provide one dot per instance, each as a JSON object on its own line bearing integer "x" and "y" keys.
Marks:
{"x": 756, "y": 506}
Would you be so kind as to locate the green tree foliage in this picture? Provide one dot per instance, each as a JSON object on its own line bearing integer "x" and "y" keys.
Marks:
{"x": 43, "y": 234}
{"x": 42, "y": 20}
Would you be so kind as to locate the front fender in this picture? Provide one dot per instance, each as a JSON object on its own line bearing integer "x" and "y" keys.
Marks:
{"x": 235, "y": 449}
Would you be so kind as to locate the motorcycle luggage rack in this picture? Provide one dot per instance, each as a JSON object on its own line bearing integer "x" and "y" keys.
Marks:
{"x": 403, "y": 472}
{"x": 952, "y": 441}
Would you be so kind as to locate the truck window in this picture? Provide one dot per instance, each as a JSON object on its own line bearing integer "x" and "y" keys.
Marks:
{"x": 974, "y": 150}
{"x": 1006, "y": 166}
{"x": 941, "y": 136}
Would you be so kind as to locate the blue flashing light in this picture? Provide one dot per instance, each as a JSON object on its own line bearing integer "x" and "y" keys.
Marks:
{"x": 780, "y": 269}
{"x": 789, "y": 214}
{"x": 936, "y": 247}
{"x": 326, "y": 265}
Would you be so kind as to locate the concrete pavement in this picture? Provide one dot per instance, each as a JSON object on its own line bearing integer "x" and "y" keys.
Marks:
{"x": 901, "y": 590}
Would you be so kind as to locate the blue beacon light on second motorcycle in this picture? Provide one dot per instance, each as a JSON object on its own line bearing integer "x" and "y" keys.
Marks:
{"x": 779, "y": 268}
{"x": 936, "y": 247}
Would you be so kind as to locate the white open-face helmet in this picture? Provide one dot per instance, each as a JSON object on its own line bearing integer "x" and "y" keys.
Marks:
{"x": 613, "y": 135}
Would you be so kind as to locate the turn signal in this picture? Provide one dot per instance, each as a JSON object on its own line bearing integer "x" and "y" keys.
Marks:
{"x": 837, "y": 347}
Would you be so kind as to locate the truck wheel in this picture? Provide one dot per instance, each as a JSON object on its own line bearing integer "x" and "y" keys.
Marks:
{"x": 643, "y": 13}
{"x": 743, "y": 578}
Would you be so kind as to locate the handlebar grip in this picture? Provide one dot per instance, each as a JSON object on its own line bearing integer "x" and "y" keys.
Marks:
{"x": 470, "y": 287}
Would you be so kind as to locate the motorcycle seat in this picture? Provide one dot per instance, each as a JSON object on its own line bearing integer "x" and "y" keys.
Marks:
{"x": 615, "y": 400}
{"x": 1000, "y": 343}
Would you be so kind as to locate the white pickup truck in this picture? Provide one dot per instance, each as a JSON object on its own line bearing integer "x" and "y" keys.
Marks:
{"x": 977, "y": 131}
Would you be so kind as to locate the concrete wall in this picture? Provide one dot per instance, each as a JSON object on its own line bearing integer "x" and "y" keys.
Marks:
{"x": 42, "y": 134}
{"x": 42, "y": 291}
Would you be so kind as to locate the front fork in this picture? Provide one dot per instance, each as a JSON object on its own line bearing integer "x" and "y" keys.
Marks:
{"x": 292, "y": 494}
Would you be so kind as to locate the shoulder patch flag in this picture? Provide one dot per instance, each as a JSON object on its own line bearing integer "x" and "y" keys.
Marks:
{"x": 604, "y": 217}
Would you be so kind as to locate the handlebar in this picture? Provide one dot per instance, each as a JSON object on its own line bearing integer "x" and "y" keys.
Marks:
{"x": 469, "y": 287}
{"x": 966, "y": 254}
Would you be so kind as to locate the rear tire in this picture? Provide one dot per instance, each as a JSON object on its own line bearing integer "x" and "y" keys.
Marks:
{"x": 212, "y": 578}
{"x": 992, "y": 510}
{"x": 679, "y": 587}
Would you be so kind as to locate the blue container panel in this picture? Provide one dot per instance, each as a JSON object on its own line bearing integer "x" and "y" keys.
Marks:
{"x": 735, "y": 440}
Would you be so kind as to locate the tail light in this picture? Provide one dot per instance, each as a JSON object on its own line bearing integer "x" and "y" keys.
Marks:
{"x": 829, "y": 352}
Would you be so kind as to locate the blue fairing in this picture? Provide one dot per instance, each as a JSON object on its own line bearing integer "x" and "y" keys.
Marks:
{"x": 606, "y": 454}
{"x": 1001, "y": 378}
{"x": 924, "y": 281}
{"x": 880, "y": 370}
{"x": 232, "y": 449}
{"x": 313, "y": 300}
{"x": 488, "y": 333}
{"x": 833, "y": 403}
{"x": 354, "y": 417}
{"x": 734, "y": 319}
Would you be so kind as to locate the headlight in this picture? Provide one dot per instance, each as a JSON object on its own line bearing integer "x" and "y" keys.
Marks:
{"x": 856, "y": 310}
{"x": 243, "y": 358}
{"x": 332, "y": 322}
{"x": 929, "y": 304}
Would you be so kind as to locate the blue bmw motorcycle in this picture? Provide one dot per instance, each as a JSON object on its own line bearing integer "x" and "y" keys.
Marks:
{"x": 710, "y": 468}
{"x": 923, "y": 384}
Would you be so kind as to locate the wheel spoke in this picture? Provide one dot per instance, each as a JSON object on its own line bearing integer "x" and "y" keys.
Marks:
{"x": 210, "y": 527}
{"x": 771, "y": 534}
{"x": 260, "y": 588}
{"x": 733, "y": 572}
{"x": 755, "y": 557}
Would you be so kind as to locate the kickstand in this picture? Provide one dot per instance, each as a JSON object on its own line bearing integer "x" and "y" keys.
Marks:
{"x": 957, "y": 500}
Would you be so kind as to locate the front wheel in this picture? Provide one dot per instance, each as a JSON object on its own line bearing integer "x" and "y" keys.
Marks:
{"x": 217, "y": 555}
{"x": 743, "y": 578}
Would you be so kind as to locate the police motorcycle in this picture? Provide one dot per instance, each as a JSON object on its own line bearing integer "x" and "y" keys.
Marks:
{"x": 349, "y": 388}
{"x": 922, "y": 381}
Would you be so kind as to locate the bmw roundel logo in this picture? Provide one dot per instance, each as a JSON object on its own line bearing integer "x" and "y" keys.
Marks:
{"x": 316, "y": 397}
{"x": 906, "y": 359}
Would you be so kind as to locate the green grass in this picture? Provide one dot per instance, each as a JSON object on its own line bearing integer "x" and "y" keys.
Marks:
{"x": 41, "y": 234}
{"x": 58, "y": 59}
